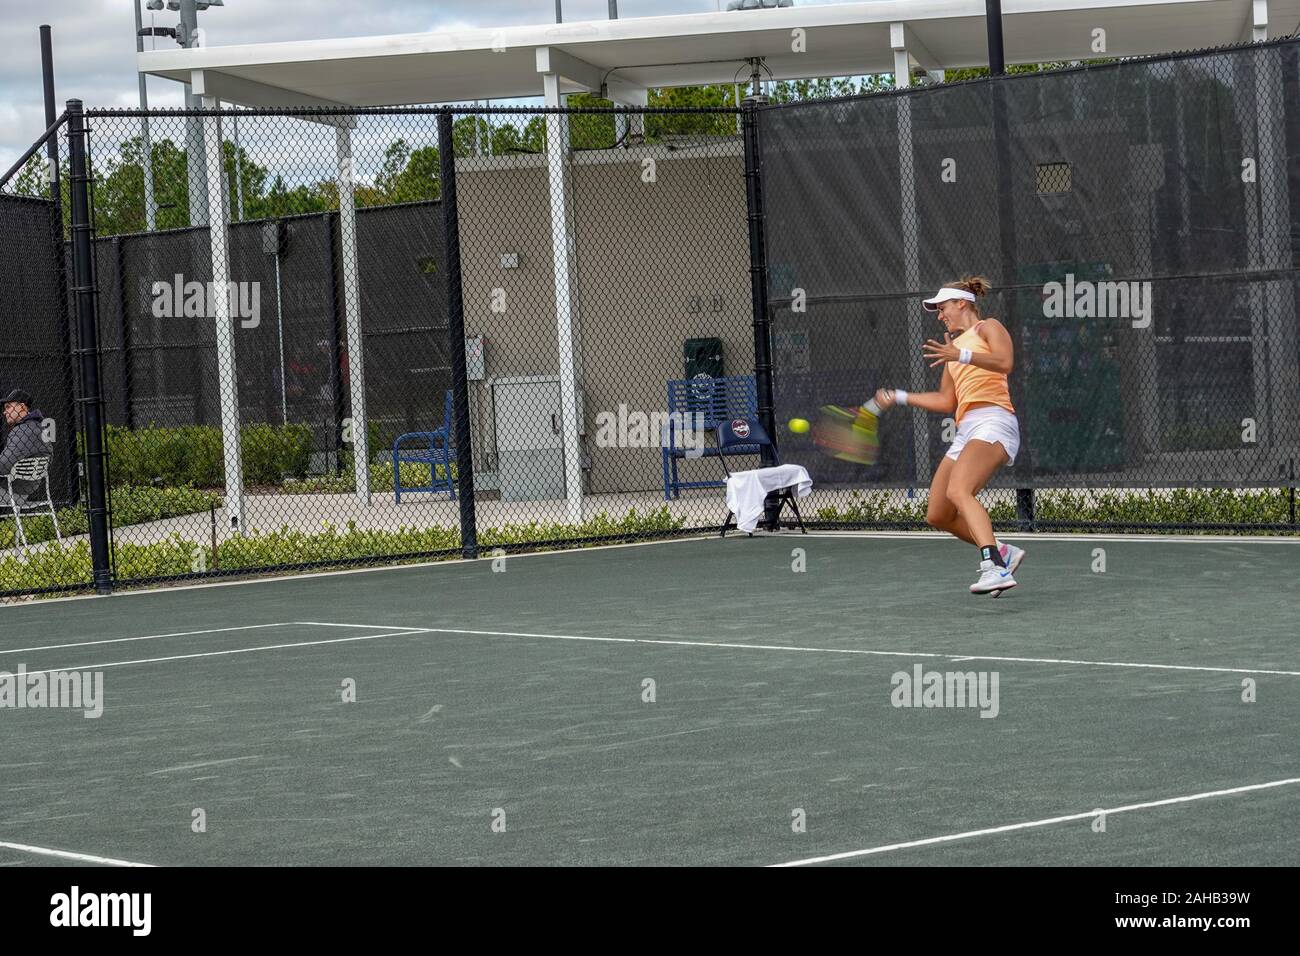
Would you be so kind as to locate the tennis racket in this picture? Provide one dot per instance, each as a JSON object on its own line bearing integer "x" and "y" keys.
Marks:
{"x": 849, "y": 432}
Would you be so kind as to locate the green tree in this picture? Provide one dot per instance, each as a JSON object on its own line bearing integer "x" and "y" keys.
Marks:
{"x": 471, "y": 135}
{"x": 795, "y": 91}
{"x": 977, "y": 72}
{"x": 33, "y": 181}
{"x": 512, "y": 138}
{"x": 500, "y": 134}
{"x": 590, "y": 130}
{"x": 119, "y": 188}
{"x": 285, "y": 200}
{"x": 409, "y": 175}
{"x": 691, "y": 124}
{"x": 252, "y": 175}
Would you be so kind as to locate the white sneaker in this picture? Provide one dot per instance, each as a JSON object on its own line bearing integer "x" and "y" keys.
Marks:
{"x": 993, "y": 580}
{"x": 1011, "y": 556}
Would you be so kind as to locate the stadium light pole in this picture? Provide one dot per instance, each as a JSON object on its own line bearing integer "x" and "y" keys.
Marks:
{"x": 146, "y": 146}
{"x": 187, "y": 35}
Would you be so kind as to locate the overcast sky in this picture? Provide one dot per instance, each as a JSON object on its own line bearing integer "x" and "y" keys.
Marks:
{"x": 94, "y": 46}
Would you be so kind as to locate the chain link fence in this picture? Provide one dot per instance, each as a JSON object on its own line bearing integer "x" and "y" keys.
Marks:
{"x": 1136, "y": 221}
{"x": 330, "y": 338}
{"x": 44, "y": 503}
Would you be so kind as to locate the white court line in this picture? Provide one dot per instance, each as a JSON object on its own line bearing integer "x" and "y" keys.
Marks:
{"x": 842, "y": 650}
{"x": 1133, "y": 536}
{"x": 238, "y": 650}
{"x": 1009, "y": 828}
{"x": 685, "y": 643}
{"x": 67, "y": 855}
{"x": 213, "y": 630}
{"x": 145, "y": 637}
{"x": 371, "y": 626}
{"x": 202, "y": 764}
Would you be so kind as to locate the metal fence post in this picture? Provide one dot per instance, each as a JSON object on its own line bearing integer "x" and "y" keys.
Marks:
{"x": 758, "y": 271}
{"x": 92, "y": 403}
{"x": 1007, "y": 242}
{"x": 456, "y": 337}
{"x": 758, "y": 292}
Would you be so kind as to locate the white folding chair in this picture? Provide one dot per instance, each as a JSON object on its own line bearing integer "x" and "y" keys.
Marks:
{"x": 30, "y": 469}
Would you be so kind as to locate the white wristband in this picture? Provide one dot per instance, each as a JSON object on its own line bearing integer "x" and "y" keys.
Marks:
{"x": 965, "y": 357}
{"x": 900, "y": 397}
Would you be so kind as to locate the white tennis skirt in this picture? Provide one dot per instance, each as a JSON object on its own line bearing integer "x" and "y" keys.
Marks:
{"x": 991, "y": 424}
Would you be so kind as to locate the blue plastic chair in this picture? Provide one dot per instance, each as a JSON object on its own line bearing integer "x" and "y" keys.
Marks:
{"x": 704, "y": 403}
{"x": 435, "y": 451}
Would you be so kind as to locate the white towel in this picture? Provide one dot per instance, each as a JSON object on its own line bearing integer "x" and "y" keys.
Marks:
{"x": 746, "y": 490}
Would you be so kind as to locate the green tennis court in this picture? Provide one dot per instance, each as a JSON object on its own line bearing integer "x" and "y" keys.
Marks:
{"x": 702, "y": 701}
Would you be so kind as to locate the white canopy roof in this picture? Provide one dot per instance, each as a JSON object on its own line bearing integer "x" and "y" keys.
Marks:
{"x": 630, "y": 55}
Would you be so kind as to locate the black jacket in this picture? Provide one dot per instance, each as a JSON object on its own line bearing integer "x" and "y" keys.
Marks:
{"x": 24, "y": 441}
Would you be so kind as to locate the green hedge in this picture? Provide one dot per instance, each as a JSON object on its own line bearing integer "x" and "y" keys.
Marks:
{"x": 130, "y": 505}
{"x": 381, "y": 479}
{"x": 876, "y": 507}
{"x": 192, "y": 454}
{"x": 277, "y": 455}
{"x": 70, "y": 564}
{"x": 1179, "y": 506}
{"x": 632, "y": 524}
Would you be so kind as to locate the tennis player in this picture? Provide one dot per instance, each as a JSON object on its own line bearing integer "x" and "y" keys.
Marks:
{"x": 977, "y": 356}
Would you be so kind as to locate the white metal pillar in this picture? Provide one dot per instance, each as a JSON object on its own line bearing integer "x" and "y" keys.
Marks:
{"x": 346, "y": 178}
{"x": 198, "y": 182}
{"x": 219, "y": 304}
{"x": 566, "y": 312}
{"x": 1259, "y": 21}
{"x": 911, "y": 259}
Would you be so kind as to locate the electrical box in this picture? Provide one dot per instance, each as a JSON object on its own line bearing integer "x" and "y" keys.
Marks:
{"x": 275, "y": 237}
{"x": 530, "y": 446}
{"x": 474, "y": 358}
{"x": 703, "y": 357}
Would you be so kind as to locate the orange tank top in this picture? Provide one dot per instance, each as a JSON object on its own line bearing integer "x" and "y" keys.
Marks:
{"x": 977, "y": 385}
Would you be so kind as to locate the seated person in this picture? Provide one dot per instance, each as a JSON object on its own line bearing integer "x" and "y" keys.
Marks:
{"x": 25, "y": 439}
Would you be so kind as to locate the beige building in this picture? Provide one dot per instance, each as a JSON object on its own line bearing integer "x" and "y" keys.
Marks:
{"x": 657, "y": 262}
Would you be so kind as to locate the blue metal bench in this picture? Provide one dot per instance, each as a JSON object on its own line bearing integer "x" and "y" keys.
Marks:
{"x": 435, "y": 451}
{"x": 702, "y": 404}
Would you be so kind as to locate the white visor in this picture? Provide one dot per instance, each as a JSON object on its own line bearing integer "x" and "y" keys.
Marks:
{"x": 945, "y": 294}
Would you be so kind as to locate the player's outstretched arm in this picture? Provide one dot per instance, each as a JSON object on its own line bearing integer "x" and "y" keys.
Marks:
{"x": 943, "y": 402}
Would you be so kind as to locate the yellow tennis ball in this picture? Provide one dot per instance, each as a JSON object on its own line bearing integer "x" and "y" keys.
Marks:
{"x": 799, "y": 425}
